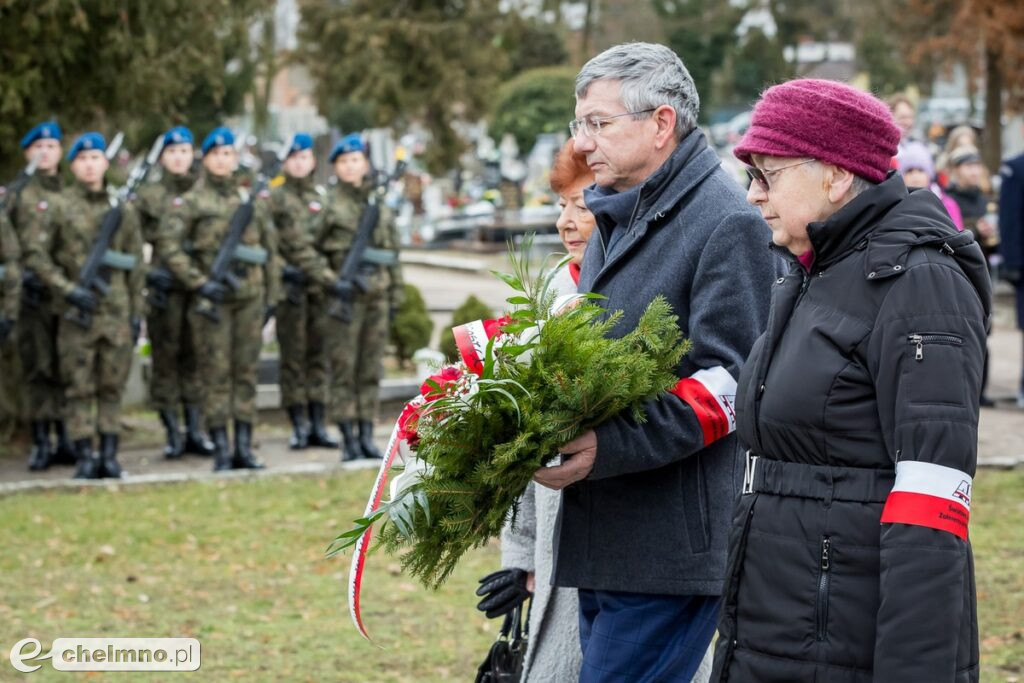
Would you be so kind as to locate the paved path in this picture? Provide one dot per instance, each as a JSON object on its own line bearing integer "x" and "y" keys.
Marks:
{"x": 1001, "y": 439}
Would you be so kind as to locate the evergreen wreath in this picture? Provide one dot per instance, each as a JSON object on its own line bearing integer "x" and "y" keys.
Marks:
{"x": 547, "y": 378}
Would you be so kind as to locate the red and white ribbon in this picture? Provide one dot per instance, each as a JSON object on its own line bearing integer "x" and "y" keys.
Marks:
{"x": 711, "y": 393}
{"x": 926, "y": 494}
{"x": 471, "y": 339}
{"x": 355, "y": 574}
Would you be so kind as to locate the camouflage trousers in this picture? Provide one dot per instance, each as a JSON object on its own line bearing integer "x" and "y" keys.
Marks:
{"x": 95, "y": 364}
{"x": 301, "y": 334}
{"x": 37, "y": 347}
{"x": 355, "y": 350}
{"x": 12, "y": 392}
{"x": 229, "y": 356}
{"x": 175, "y": 378}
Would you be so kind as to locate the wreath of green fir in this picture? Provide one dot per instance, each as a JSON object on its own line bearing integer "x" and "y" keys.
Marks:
{"x": 555, "y": 377}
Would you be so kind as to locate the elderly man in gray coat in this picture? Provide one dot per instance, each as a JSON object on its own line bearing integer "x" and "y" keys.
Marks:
{"x": 646, "y": 508}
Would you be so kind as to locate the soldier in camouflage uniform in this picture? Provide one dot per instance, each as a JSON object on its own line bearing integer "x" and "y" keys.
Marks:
{"x": 356, "y": 347}
{"x": 175, "y": 380}
{"x": 36, "y": 335}
{"x": 10, "y": 278}
{"x": 188, "y": 240}
{"x": 301, "y": 315}
{"x": 94, "y": 361}
{"x": 10, "y": 304}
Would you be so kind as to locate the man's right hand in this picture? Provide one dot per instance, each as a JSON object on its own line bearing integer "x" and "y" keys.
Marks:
{"x": 82, "y": 299}
{"x": 213, "y": 291}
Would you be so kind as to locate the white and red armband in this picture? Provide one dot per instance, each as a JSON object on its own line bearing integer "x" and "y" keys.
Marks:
{"x": 926, "y": 494}
{"x": 711, "y": 393}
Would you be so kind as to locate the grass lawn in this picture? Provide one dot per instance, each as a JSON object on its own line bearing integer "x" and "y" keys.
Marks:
{"x": 239, "y": 565}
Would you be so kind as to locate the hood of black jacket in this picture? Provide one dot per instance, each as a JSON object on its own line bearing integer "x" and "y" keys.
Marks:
{"x": 888, "y": 222}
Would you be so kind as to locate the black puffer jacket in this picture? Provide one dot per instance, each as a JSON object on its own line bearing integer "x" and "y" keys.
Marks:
{"x": 868, "y": 373}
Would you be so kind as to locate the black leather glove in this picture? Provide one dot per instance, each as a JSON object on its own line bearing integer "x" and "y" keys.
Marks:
{"x": 136, "y": 329}
{"x": 214, "y": 291}
{"x": 293, "y": 275}
{"x": 269, "y": 313}
{"x": 502, "y": 592}
{"x": 6, "y": 325}
{"x": 82, "y": 298}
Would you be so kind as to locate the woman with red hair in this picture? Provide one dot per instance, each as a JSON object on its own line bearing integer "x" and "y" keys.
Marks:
{"x": 553, "y": 651}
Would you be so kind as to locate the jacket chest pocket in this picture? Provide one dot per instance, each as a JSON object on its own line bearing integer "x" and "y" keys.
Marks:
{"x": 930, "y": 356}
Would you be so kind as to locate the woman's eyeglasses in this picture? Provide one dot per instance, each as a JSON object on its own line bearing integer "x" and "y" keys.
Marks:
{"x": 761, "y": 177}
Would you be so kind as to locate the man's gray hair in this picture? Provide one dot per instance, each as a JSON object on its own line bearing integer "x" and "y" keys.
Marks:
{"x": 651, "y": 75}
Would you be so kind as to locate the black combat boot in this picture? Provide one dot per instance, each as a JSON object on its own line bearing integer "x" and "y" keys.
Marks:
{"x": 88, "y": 465}
{"x": 174, "y": 447}
{"x": 41, "y": 455}
{"x": 318, "y": 435}
{"x": 221, "y": 453}
{"x": 109, "y": 466}
{"x": 66, "y": 454}
{"x": 350, "y": 448}
{"x": 244, "y": 458}
{"x": 196, "y": 442}
{"x": 366, "y": 440}
{"x": 300, "y": 430}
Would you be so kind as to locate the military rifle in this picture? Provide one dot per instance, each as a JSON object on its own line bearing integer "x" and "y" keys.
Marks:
{"x": 32, "y": 287}
{"x": 232, "y": 249}
{"x": 349, "y": 278}
{"x": 95, "y": 273}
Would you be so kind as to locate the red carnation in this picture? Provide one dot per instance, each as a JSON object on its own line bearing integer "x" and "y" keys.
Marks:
{"x": 407, "y": 423}
{"x": 448, "y": 375}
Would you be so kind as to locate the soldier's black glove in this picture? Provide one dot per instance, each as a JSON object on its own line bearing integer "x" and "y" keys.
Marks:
{"x": 214, "y": 291}
{"x": 293, "y": 275}
{"x": 136, "y": 329}
{"x": 269, "y": 313}
{"x": 81, "y": 298}
{"x": 502, "y": 592}
{"x": 341, "y": 289}
{"x": 6, "y": 325}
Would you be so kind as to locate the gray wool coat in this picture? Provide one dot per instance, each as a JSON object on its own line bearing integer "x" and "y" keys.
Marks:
{"x": 654, "y": 514}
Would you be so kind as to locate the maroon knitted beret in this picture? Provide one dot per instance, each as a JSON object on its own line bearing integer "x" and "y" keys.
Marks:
{"x": 827, "y": 120}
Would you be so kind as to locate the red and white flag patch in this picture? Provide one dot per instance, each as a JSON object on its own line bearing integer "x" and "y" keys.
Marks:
{"x": 711, "y": 393}
{"x": 315, "y": 206}
{"x": 926, "y": 494}
{"x": 42, "y": 205}
{"x": 177, "y": 201}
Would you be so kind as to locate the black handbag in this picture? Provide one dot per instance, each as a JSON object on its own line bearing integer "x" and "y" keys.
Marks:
{"x": 504, "y": 662}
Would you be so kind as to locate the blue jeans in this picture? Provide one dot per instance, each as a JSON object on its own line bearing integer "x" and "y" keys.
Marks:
{"x": 639, "y": 637}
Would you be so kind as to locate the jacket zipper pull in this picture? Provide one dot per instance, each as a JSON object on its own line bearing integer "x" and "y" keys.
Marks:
{"x": 826, "y": 544}
{"x": 919, "y": 340}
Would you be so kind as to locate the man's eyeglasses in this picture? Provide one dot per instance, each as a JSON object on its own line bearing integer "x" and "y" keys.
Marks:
{"x": 761, "y": 177}
{"x": 591, "y": 125}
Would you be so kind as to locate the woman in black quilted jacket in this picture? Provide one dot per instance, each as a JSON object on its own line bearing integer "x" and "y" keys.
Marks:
{"x": 850, "y": 558}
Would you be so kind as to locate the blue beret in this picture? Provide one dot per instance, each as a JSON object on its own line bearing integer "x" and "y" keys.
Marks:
{"x": 218, "y": 137}
{"x": 43, "y": 131}
{"x": 87, "y": 141}
{"x": 179, "y": 135}
{"x": 300, "y": 142}
{"x": 350, "y": 143}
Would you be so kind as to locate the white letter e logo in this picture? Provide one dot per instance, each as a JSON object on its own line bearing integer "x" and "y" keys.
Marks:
{"x": 17, "y": 657}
